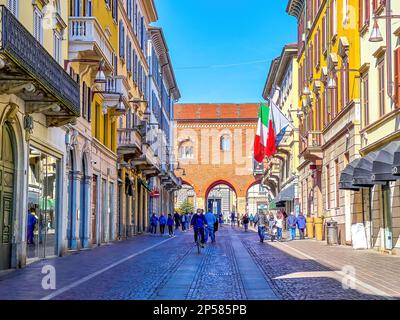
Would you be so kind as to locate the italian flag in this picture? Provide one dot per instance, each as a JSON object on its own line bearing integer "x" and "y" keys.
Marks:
{"x": 260, "y": 141}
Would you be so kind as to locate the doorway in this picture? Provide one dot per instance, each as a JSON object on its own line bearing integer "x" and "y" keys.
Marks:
{"x": 94, "y": 210}
{"x": 7, "y": 173}
{"x": 43, "y": 187}
{"x": 387, "y": 217}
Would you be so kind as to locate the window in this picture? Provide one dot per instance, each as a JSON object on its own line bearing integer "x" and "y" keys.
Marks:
{"x": 96, "y": 124}
{"x": 397, "y": 77}
{"x": 38, "y": 25}
{"x": 114, "y": 9}
{"x": 186, "y": 151}
{"x": 129, "y": 9}
{"x": 381, "y": 86}
{"x": 333, "y": 18}
{"x": 86, "y": 101}
{"x": 12, "y": 5}
{"x": 365, "y": 99}
{"x": 57, "y": 47}
{"x": 128, "y": 55}
{"x": 225, "y": 142}
{"x": 121, "y": 40}
{"x": 75, "y": 8}
{"x": 364, "y": 8}
{"x": 317, "y": 48}
{"x": 324, "y": 34}
{"x": 345, "y": 82}
{"x": 105, "y": 130}
{"x": 334, "y": 99}
{"x": 337, "y": 178}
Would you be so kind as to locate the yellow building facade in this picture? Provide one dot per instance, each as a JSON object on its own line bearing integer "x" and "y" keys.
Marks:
{"x": 39, "y": 101}
{"x": 329, "y": 93}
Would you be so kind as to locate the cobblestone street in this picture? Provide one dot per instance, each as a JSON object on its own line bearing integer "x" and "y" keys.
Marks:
{"x": 237, "y": 267}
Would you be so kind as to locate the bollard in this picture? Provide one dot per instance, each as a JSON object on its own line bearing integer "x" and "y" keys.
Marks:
{"x": 310, "y": 227}
{"x": 319, "y": 228}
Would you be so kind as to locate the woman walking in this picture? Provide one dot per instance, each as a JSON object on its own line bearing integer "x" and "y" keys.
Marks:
{"x": 170, "y": 224}
{"x": 245, "y": 222}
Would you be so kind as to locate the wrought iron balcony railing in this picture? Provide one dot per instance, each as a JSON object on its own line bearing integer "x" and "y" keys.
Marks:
{"x": 30, "y": 61}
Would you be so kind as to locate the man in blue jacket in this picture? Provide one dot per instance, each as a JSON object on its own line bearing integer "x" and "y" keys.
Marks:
{"x": 209, "y": 231}
{"x": 198, "y": 222}
{"x": 291, "y": 222}
{"x": 301, "y": 224}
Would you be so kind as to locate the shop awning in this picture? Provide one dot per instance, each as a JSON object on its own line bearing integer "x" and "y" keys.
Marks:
{"x": 382, "y": 165}
{"x": 286, "y": 194}
{"x": 362, "y": 176}
{"x": 396, "y": 163}
{"x": 273, "y": 205}
{"x": 346, "y": 177}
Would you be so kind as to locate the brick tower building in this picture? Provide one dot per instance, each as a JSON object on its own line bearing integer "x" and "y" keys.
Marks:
{"x": 214, "y": 147}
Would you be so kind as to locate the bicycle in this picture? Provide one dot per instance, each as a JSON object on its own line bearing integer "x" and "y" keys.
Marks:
{"x": 198, "y": 241}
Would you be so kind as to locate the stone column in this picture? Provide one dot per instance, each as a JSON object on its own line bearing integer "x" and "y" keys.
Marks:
{"x": 241, "y": 205}
{"x": 86, "y": 211}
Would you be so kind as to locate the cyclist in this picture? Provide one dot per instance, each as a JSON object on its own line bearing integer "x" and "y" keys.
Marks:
{"x": 198, "y": 222}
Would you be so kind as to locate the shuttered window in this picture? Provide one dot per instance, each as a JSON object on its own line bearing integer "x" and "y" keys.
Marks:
{"x": 397, "y": 77}
{"x": 365, "y": 99}
{"x": 12, "y": 5}
{"x": 324, "y": 25}
{"x": 38, "y": 25}
{"x": 381, "y": 86}
{"x": 121, "y": 40}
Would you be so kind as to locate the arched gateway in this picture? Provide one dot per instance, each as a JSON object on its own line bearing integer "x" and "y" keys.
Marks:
{"x": 214, "y": 148}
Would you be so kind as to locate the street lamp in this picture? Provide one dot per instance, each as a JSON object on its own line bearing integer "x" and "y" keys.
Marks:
{"x": 376, "y": 35}
{"x": 100, "y": 76}
{"x": 331, "y": 83}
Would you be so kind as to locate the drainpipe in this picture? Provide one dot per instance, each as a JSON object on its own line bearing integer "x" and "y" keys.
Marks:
{"x": 389, "y": 50}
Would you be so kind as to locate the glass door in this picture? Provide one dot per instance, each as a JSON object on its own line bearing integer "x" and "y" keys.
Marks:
{"x": 42, "y": 214}
{"x": 387, "y": 217}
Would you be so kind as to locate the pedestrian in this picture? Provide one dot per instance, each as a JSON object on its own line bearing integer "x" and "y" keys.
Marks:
{"x": 279, "y": 225}
{"x": 177, "y": 218}
{"x": 153, "y": 224}
{"x": 238, "y": 220}
{"x": 245, "y": 222}
{"x": 216, "y": 224}
{"x": 221, "y": 219}
{"x": 209, "y": 230}
{"x": 32, "y": 220}
{"x": 232, "y": 218}
{"x": 251, "y": 220}
{"x": 271, "y": 225}
{"x": 170, "y": 224}
{"x": 301, "y": 224}
{"x": 291, "y": 223}
{"x": 261, "y": 219}
{"x": 183, "y": 222}
{"x": 163, "y": 222}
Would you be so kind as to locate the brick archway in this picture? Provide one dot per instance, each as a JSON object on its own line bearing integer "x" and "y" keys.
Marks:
{"x": 213, "y": 163}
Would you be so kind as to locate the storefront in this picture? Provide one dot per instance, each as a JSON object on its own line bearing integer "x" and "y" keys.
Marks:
{"x": 43, "y": 212}
{"x": 376, "y": 177}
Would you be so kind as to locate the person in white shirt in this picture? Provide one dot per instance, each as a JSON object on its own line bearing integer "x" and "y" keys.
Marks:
{"x": 279, "y": 225}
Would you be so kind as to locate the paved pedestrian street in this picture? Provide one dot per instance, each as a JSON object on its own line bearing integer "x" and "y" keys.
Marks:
{"x": 236, "y": 267}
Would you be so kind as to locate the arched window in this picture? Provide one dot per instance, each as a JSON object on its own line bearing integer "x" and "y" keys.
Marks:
{"x": 225, "y": 142}
{"x": 186, "y": 150}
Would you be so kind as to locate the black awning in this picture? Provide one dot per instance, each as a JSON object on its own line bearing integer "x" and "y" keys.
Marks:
{"x": 383, "y": 164}
{"x": 346, "y": 177}
{"x": 362, "y": 176}
{"x": 396, "y": 163}
{"x": 287, "y": 194}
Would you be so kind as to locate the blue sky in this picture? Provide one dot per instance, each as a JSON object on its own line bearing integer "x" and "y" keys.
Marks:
{"x": 205, "y": 36}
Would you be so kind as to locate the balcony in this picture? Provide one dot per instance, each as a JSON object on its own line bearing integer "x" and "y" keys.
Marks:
{"x": 311, "y": 146}
{"x": 129, "y": 143}
{"x": 88, "y": 40}
{"x": 116, "y": 88}
{"x": 30, "y": 72}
